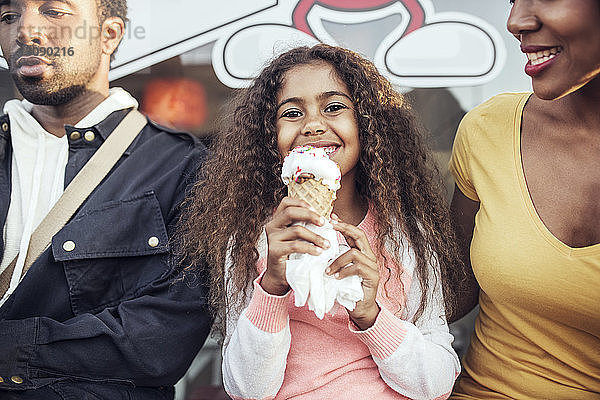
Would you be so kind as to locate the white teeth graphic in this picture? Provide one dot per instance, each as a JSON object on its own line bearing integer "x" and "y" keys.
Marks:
{"x": 543, "y": 56}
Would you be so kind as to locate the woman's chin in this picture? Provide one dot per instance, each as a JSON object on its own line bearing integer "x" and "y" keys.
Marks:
{"x": 553, "y": 92}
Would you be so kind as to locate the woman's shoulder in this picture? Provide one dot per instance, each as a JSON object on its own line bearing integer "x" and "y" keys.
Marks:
{"x": 491, "y": 120}
{"x": 497, "y": 106}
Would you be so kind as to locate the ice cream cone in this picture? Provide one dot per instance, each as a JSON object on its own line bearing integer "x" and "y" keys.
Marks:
{"x": 311, "y": 176}
{"x": 315, "y": 193}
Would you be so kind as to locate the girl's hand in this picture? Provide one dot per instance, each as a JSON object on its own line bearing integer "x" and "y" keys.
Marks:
{"x": 359, "y": 260}
{"x": 284, "y": 239}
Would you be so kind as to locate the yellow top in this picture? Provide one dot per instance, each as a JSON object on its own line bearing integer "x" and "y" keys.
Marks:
{"x": 538, "y": 333}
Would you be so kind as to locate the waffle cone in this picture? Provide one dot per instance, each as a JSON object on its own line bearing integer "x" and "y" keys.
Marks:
{"x": 315, "y": 193}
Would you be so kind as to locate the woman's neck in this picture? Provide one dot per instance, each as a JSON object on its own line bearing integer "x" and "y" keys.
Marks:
{"x": 581, "y": 108}
{"x": 349, "y": 205}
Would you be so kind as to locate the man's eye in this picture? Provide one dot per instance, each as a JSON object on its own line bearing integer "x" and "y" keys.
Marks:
{"x": 9, "y": 18}
{"x": 55, "y": 13}
{"x": 291, "y": 114}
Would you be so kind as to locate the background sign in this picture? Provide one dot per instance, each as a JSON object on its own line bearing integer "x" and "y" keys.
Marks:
{"x": 419, "y": 47}
{"x": 414, "y": 46}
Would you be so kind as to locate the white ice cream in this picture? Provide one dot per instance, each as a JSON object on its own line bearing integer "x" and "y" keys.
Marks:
{"x": 314, "y": 161}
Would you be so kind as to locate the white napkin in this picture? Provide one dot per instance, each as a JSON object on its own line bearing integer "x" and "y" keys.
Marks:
{"x": 305, "y": 274}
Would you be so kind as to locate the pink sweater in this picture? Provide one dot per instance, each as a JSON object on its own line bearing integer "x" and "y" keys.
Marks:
{"x": 275, "y": 350}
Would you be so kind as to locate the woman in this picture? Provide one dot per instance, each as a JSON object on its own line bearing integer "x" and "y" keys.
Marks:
{"x": 527, "y": 169}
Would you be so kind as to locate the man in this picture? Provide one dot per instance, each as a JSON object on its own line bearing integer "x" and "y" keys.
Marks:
{"x": 103, "y": 313}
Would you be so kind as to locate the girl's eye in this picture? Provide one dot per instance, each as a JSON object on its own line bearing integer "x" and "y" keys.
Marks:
{"x": 335, "y": 107}
{"x": 9, "y": 18}
{"x": 291, "y": 114}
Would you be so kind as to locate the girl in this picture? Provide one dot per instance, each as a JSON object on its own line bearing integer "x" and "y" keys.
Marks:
{"x": 395, "y": 344}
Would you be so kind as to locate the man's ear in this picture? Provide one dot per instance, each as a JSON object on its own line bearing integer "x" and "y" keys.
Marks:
{"x": 113, "y": 30}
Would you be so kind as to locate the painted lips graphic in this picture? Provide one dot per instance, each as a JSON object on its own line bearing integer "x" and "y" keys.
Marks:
{"x": 420, "y": 48}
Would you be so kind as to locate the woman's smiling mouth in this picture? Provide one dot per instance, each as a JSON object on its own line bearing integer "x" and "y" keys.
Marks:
{"x": 539, "y": 58}
{"x": 542, "y": 56}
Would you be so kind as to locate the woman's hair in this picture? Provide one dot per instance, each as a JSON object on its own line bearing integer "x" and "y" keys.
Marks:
{"x": 240, "y": 185}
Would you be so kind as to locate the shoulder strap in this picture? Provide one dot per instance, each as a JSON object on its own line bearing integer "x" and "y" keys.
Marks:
{"x": 84, "y": 183}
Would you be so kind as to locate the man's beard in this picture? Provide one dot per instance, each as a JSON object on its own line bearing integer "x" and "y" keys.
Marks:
{"x": 65, "y": 84}
{"x": 45, "y": 93}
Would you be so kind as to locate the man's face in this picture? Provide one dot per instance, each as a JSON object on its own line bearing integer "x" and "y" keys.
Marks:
{"x": 52, "y": 47}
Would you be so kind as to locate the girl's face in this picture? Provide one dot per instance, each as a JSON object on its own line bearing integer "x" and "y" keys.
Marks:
{"x": 562, "y": 41}
{"x": 314, "y": 108}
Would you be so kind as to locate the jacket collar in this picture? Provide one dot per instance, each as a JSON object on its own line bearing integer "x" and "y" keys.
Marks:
{"x": 101, "y": 130}
{"x": 104, "y": 128}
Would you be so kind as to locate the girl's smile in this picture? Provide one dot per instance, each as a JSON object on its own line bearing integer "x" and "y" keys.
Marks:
{"x": 330, "y": 147}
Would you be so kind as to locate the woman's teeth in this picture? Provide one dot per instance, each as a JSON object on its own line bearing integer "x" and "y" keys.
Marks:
{"x": 543, "y": 56}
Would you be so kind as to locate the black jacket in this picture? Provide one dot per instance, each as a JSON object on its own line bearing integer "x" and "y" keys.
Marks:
{"x": 112, "y": 318}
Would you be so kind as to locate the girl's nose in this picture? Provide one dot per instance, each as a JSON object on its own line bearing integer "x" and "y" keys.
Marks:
{"x": 314, "y": 126}
{"x": 523, "y": 18}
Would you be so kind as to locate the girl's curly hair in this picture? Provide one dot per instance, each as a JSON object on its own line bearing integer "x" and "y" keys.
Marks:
{"x": 240, "y": 186}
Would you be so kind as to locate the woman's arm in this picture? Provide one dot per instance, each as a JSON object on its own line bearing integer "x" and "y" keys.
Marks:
{"x": 463, "y": 212}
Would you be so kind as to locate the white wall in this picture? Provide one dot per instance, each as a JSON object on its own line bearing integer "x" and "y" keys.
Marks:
{"x": 512, "y": 77}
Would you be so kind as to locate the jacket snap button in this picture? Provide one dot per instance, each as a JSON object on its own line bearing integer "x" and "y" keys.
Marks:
{"x": 69, "y": 245}
{"x": 5, "y": 127}
{"x": 153, "y": 241}
{"x": 75, "y": 135}
{"x": 16, "y": 379}
{"x": 89, "y": 136}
